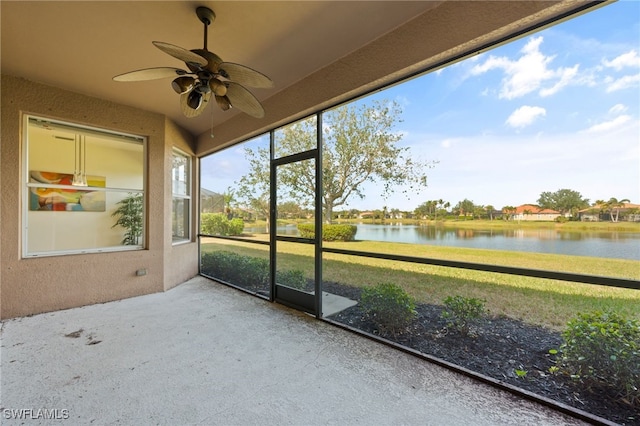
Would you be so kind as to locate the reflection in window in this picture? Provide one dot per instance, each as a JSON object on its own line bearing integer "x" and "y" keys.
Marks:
{"x": 181, "y": 196}
{"x": 84, "y": 189}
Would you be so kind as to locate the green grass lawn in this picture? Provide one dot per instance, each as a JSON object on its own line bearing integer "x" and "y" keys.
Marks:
{"x": 545, "y": 302}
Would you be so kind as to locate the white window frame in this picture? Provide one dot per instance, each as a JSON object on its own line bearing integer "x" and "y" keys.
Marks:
{"x": 176, "y": 195}
{"x": 26, "y": 185}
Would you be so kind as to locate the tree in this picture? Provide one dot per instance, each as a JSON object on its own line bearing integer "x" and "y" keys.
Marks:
{"x": 253, "y": 187}
{"x": 425, "y": 209}
{"x": 465, "y": 207}
{"x": 479, "y": 211}
{"x": 360, "y": 145}
{"x": 289, "y": 210}
{"x": 490, "y": 209}
{"x": 508, "y": 211}
{"x": 563, "y": 200}
{"x": 439, "y": 204}
{"x": 614, "y": 205}
{"x": 228, "y": 198}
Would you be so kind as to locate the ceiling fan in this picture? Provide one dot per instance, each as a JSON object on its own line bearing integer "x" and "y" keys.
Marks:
{"x": 208, "y": 76}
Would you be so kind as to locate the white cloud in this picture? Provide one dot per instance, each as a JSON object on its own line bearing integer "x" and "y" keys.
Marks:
{"x": 617, "y": 109}
{"x": 525, "y": 115}
{"x": 523, "y": 75}
{"x": 622, "y": 82}
{"x": 629, "y": 59}
{"x": 529, "y": 72}
{"x": 609, "y": 125}
{"x": 567, "y": 75}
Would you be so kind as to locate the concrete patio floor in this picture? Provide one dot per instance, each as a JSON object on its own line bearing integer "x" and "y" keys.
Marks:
{"x": 206, "y": 354}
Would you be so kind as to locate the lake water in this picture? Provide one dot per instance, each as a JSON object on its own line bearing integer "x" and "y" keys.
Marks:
{"x": 618, "y": 245}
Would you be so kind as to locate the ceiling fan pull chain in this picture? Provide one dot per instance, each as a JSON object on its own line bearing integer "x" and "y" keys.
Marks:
{"x": 211, "y": 123}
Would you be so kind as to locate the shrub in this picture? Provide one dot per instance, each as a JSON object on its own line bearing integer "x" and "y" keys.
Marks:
{"x": 236, "y": 226}
{"x": 388, "y": 306}
{"x": 307, "y": 230}
{"x": 219, "y": 224}
{"x": 293, "y": 278}
{"x": 461, "y": 312}
{"x": 245, "y": 271}
{"x": 330, "y": 232}
{"x": 602, "y": 350}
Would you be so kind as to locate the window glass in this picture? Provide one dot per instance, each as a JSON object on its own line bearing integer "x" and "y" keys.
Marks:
{"x": 234, "y": 202}
{"x": 297, "y": 137}
{"x": 235, "y": 191}
{"x": 181, "y": 199}
{"x": 84, "y": 189}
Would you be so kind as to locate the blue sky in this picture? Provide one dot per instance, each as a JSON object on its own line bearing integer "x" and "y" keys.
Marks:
{"x": 556, "y": 109}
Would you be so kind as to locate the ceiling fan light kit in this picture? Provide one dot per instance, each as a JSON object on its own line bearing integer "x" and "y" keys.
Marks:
{"x": 208, "y": 76}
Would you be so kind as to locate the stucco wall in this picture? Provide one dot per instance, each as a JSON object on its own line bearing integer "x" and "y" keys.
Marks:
{"x": 181, "y": 260}
{"x": 35, "y": 285}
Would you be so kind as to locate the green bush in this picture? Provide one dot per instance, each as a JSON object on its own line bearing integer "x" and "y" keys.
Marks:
{"x": 245, "y": 271}
{"x": 219, "y": 224}
{"x": 330, "y": 232}
{"x": 602, "y": 350}
{"x": 293, "y": 278}
{"x": 236, "y": 226}
{"x": 388, "y": 306}
{"x": 461, "y": 312}
{"x": 307, "y": 230}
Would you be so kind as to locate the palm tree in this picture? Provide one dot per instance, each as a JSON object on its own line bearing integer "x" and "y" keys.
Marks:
{"x": 490, "y": 210}
{"x": 614, "y": 205}
{"x": 228, "y": 198}
{"x": 508, "y": 210}
{"x": 438, "y": 203}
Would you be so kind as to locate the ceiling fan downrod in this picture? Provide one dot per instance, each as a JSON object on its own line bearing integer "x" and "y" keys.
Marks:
{"x": 207, "y": 17}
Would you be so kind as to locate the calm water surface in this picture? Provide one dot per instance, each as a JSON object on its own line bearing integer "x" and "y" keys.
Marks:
{"x": 617, "y": 245}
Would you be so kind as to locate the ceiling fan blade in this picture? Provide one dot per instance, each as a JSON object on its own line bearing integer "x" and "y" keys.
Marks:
{"x": 223, "y": 102}
{"x": 190, "y": 112}
{"x": 245, "y": 75}
{"x": 244, "y": 100}
{"x": 150, "y": 74}
{"x": 179, "y": 53}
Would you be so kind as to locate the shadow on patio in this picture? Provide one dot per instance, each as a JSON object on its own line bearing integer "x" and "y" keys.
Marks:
{"x": 204, "y": 353}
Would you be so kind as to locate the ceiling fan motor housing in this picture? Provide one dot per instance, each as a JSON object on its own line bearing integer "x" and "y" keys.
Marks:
{"x": 208, "y": 76}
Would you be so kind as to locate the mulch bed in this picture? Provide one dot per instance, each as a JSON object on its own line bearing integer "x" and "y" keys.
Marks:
{"x": 496, "y": 348}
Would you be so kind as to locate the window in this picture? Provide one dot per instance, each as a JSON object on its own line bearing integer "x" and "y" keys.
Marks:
{"x": 83, "y": 189}
{"x": 181, "y": 199}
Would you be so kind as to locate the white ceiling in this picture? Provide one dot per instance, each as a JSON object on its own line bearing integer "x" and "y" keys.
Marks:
{"x": 80, "y": 45}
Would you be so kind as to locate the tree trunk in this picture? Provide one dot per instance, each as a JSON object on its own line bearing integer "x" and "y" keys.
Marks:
{"x": 328, "y": 212}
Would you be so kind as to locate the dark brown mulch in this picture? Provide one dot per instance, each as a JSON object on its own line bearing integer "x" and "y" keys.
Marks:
{"x": 496, "y": 348}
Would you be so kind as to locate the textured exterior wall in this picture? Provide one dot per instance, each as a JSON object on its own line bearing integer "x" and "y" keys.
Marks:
{"x": 35, "y": 285}
{"x": 181, "y": 260}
